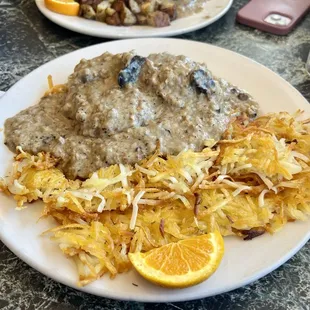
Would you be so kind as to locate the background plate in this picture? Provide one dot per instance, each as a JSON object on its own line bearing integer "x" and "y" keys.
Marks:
{"x": 243, "y": 262}
{"x": 214, "y": 10}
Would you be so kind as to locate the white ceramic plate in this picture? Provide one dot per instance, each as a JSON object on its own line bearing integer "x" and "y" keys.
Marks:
{"x": 243, "y": 261}
{"x": 214, "y": 10}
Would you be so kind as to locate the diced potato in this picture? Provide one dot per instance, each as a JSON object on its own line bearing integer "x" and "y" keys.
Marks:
{"x": 87, "y": 11}
{"x": 101, "y": 11}
{"x": 170, "y": 9}
{"x": 134, "y": 7}
{"x": 100, "y": 17}
{"x": 118, "y": 5}
{"x": 127, "y": 17}
{"x": 141, "y": 19}
{"x": 102, "y": 6}
{"x": 112, "y": 18}
{"x": 110, "y": 11}
{"x": 158, "y": 19}
{"x": 148, "y": 7}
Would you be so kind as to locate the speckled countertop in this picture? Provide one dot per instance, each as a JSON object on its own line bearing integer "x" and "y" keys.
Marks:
{"x": 27, "y": 40}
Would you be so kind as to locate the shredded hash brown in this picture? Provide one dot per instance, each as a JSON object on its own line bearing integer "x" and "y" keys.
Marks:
{"x": 253, "y": 181}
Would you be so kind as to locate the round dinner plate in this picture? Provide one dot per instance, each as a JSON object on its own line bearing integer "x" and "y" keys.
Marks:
{"x": 243, "y": 262}
{"x": 213, "y": 10}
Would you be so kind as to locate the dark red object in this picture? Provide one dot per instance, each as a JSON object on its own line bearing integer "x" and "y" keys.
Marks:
{"x": 255, "y": 12}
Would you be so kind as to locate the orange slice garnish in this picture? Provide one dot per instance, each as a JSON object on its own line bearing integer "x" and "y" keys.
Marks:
{"x": 66, "y": 7}
{"x": 181, "y": 264}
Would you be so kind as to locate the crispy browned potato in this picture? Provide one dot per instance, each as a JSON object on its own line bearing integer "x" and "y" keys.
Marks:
{"x": 93, "y": 3}
{"x": 101, "y": 11}
{"x": 100, "y": 17}
{"x": 118, "y": 5}
{"x": 112, "y": 17}
{"x": 141, "y": 19}
{"x": 103, "y": 6}
{"x": 110, "y": 11}
{"x": 170, "y": 9}
{"x": 127, "y": 17}
{"x": 158, "y": 19}
{"x": 148, "y": 7}
{"x": 87, "y": 11}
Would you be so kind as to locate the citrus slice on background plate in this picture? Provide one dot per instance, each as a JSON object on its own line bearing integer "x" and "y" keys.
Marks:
{"x": 181, "y": 264}
{"x": 65, "y": 7}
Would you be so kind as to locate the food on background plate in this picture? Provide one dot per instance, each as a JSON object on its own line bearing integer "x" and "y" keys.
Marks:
{"x": 114, "y": 109}
{"x": 155, "y": 13}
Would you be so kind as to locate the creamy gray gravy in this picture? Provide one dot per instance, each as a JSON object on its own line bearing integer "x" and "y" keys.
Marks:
{"x": 96, "y": 123}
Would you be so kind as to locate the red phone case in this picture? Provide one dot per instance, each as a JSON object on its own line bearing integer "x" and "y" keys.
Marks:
{"x": 255, "y": 12}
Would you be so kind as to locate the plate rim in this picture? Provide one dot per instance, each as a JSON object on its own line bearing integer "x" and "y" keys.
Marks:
{"x": 257, "y": 275}
{"x": 123, "y": 35}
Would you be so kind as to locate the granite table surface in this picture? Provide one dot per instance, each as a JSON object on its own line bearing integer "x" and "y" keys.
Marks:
{"x": 28, "y": 39}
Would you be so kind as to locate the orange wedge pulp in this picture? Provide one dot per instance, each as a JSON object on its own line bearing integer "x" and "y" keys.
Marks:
{"x": 181, "y": 264}
{"x": 66, "y": 7}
